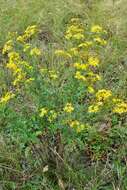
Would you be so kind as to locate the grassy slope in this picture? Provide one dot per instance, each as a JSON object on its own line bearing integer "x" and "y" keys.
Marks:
{"x": 17, "y": 15}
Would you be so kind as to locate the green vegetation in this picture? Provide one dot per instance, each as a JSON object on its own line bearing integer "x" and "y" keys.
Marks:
{"x": 63, "y": 95}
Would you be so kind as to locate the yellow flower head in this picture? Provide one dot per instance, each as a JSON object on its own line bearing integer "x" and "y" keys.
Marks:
{"x": 26, "y": 47}
{"x": 21, "y": 39}
{"x": 7, "y": 97}
{"x": 91, "y": 89}
{"x": 79, "y": 127}
{"x": 80, "y": 66}
{"x": 120, "y": 108}
{"x": 52, "y": 116}
{"x": 12, "y": 66}
{"x": 31, "y": 30}
{"x": 100, "y": 41}
{"x": 43, "y": 112}
{"x": 93, "y": 108}
{"x": 68, "y": 108}
{"x": 93, "y": 61}
{"x": 29, "y": 80}
{"x": 7, "y": 47}
{"x": 78, "y": 36}
{"x": 20, "y": 78}
{"x": 96, "y": 29}
{"x": 85, "y": 44}
{"x": 35, "y": 52}
{"x": 14, "y": 57}
{"x": 80, "y": 77}
{"x": 74, "y": 31}
{"x": 103, "y": 94}
{"x": 74, "y": 123}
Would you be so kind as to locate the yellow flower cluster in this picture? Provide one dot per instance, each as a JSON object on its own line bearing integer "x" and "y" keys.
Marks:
{"x": 120, "y": 106}
{"x": 17, "y": 65}
{"x": 80, "y": 66}
{"x": 100, "y": 41}
{"x": 87, "y": 59}
{"x": 101, "y": 97}
{"x": 27, "y": 46}
{"x": 29, "y": 32}
{"x": 85, "y": 44}
{"x": 90, "y": 77}
{"x": 96, "y": 29}
{"x": 7, "y": 47}
{"x": 50, "y": 114}
{"x": 43, "y": 112}
{"x": 68, "y": 108}
{"x": 93, "y": 61}
{"x": 75, "y": 31}
{"x": 78, "y": 126}
{"x": 95, "y": 107}
{"x": 7, "y": 97}
{"x": 35, "y": 52}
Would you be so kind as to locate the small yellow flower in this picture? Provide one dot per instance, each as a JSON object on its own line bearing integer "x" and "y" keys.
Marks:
{"x": 7, "y": 47}
{"x": 74, "y": 31}
{"x": 80, "y": 128}
{"x": 7, "y": 97}
{"x": 35, "y": 52}
{"x": 68, "y": 108}
{"x": 96, "y": 29}
{"x": 120, "y": 108}
{"x": 14, "y": 57}
{"x": 91, "y": 89}
{"x": 93, "y": 108}
{"x": 117, "y": 100}
{"x": 26, "y": 47}
{"x": 93, "y": 61}
{"x": 80, "y": 66}
{"x": 29, "y": 32}
{"x": 29, "y": 80}
{"x": 74, "y": 123}
{"x": 100, "y": 41}
{"x": 20, "y": 78}
{"x": 78, "y": 36}
{"x": 43, "y": 112}
{"x": 85, "y": 44}
{"x": 12, "y": 66}
{"x": 52, "y": 116}
{"x": 103, "y": 94}
{"x": 80, "y": 77}
{"x": 21, "y": 39}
